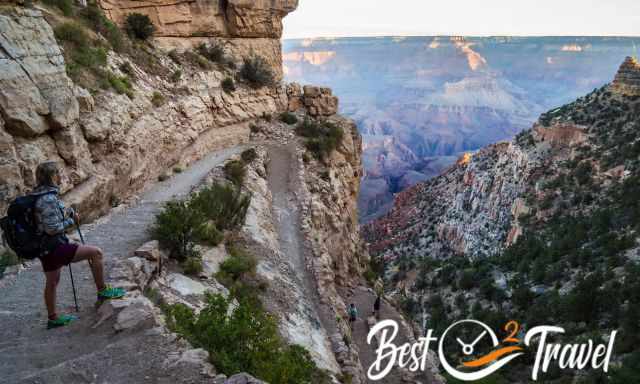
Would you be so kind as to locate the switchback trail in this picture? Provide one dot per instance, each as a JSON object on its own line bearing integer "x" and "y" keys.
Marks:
{"x": 364, "y": 298}
{"x": 77, "y": 353}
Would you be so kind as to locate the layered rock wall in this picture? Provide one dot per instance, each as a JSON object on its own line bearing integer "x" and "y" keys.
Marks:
{"x": 110, "y": 145}
{"x": 627, "y": 80}
{"x": 243, "y": 26}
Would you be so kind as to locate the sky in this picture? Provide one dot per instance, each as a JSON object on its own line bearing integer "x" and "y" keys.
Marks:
{"x": 337, "y": 18}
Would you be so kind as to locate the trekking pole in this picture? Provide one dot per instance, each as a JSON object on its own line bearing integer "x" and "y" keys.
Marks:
{"x": 73, "y": 285}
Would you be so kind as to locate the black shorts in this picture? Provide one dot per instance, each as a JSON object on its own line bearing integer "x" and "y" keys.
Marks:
{"x": 61, "y": 256}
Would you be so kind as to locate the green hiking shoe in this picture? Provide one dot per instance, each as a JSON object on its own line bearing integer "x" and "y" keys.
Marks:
{"x": 110, "y": 293}
{"x": 61, "y": 321}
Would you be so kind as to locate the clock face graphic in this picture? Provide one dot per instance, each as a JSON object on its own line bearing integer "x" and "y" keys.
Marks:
{"x": 481, "y": 366}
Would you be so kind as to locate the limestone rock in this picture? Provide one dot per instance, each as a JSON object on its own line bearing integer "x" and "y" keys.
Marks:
{"x": 193, "y": 358}
{"x": 243, "y": 378}
{"x": 138, "y": 314}
{"x": 317, "y": 101}
{"x": 150, "y": 251}
{"x": 216, "y": 18}
{"x": 627, "y": 80}
{"x": 35, "y": 92}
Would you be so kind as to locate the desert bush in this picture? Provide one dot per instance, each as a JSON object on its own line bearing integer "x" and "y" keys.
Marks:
{"x": 322, "y": 138}
{"x": 121, "y": 84}
{"x": 209, "y": 234}
{"x": 176, "y": 76}
{"x": 257, "y": 72}
{"x": 101, "y": 24}
{"x": 65, "y": 6}
{"x": 192, "y": 265}
{"x": 225, "y": 205}
{"x": 213, "y": 52}
{"x": 236, "y": 171}
{"x": 139, "y": 26}
{"x": 288, "y": 118}
{"x": 239, "y": 264}
{"x": 244, "y": 339}
{"x": 249, "y": 155}
{"x": 177, "y": 228}
{"x": 196, "y": 59}
{"x": 228, "y": 85}
{"x": 7, "y": 259}
{"x": 157, "y": 99}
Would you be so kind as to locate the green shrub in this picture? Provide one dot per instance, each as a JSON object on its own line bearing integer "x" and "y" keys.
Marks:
{"x": 228, "y": 85}
{"x": 72, "y": 32}
{"x": 257, "y": 72}
{"x": 7, "y": 259}
{"x": 236, "y": 171}
{"x": 175, "y": 56}
{"x": 239, "y": 264}
{"x": 249, "y": 155}
{"x": 244, "y": 339}
{"x": 80, "y": 52}
{"x": 322, "y": 138}
{"x": 196, "y": 59}
{"x": 101, "y": 24}
{"x": 177, "y": 227}
{"x": 139, "y": 26}
{"x": 178, "y": 169}
{"x": 225, "y": 205}
{"x": 209, "y": 234}
{"x": 157, "y": 99}
{"x": 288, "y": 118}
{"x": 213, "y": 52}
{"x": 192, "y": 266}
{"x": 176, "y": 76}
{"x": 65, "y": 6}
{"x": 120, "y": 84}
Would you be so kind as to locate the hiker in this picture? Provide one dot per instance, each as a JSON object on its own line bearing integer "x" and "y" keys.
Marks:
{"x": 376, "y": 307}
{"x": 57, "y": 251}
{"x": 353, "y": 314}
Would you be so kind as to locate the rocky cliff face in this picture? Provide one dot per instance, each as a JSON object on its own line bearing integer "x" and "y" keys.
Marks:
{"x": 627, "y": 79}
{"x": 110, "y": 144}
{"x": 530, "y": 229}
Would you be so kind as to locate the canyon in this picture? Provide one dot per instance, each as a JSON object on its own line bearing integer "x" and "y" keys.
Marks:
{"x": 541, "y": 228}
{"x": 420, "y": 102}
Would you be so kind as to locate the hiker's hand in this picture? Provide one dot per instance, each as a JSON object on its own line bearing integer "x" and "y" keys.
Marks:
{"x": 76, "y": 217}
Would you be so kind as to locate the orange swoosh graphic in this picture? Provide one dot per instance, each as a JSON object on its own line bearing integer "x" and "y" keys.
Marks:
{"x": 495, "y": 355}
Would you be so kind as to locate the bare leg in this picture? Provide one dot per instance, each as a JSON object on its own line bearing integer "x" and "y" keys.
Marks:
{"x": 50, "y": 287}
{"x": 94, "y": 256}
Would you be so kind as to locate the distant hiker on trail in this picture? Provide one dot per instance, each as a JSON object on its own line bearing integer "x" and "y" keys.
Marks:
{"x": 56, "y": 251}
{"x": 353, "y": 314}
{"x": 376, "y": 307}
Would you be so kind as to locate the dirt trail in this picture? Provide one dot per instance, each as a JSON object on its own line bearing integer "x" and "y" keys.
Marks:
{"x": 283, "y": 181}
{"x": 79, "y": 354}
{"x": 364, "y": 298}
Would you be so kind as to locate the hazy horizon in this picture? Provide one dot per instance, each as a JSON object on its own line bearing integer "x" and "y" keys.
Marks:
{"x": 543, "y": 18}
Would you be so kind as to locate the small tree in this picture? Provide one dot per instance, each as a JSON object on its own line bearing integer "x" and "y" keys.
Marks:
{"x": 139, "y": 26}
{"x": 228, "y": 85}
{"x": 257, "y": 72}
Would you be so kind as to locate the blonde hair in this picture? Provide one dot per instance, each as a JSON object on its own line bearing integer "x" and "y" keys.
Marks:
{"x": 46, "y": 172}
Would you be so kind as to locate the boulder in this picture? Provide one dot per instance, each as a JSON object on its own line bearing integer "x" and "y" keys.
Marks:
{"x": 138, "y": 314}
{"x": 150, "y": 251}
{"x": 243, "y": 378}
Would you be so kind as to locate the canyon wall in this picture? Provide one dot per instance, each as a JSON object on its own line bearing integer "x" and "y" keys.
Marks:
{"x": 111, "y": 144}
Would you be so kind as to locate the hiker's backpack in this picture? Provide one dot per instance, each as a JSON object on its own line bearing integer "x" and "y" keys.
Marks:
{"x": 20, "y": 229}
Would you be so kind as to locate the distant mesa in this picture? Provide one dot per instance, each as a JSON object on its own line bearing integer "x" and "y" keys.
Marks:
{"x": 627, "y": 80}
